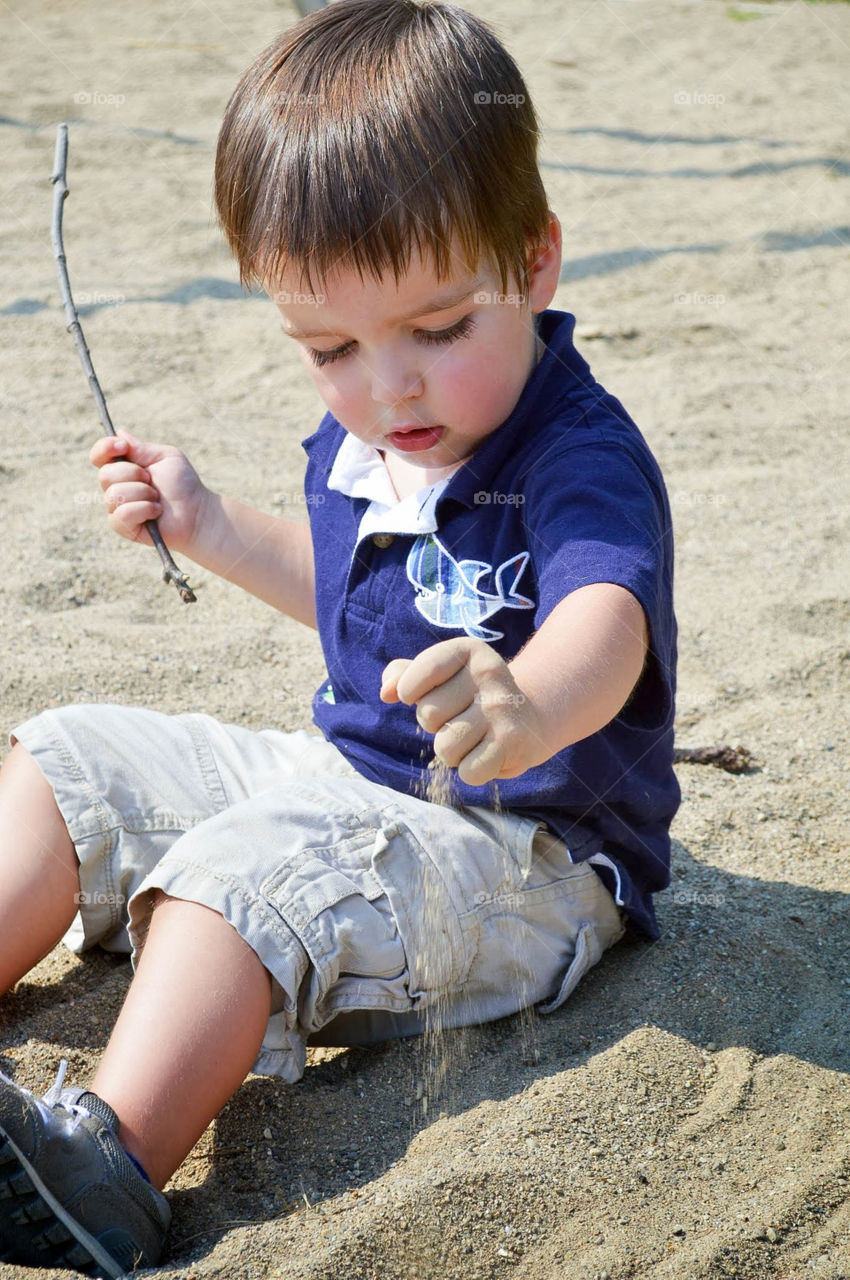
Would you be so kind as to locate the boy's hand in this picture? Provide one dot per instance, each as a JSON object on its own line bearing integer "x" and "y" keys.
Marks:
{"x": 483, "y": 724}
{"x": 575, "y": 674}
{"x": 144, "y": 481}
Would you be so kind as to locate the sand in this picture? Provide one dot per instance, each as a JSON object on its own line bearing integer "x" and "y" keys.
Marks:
{"x": 685, "y": 1115}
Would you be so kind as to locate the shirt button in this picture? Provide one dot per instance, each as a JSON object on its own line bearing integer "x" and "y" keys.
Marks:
{"x": 383, "y": 540}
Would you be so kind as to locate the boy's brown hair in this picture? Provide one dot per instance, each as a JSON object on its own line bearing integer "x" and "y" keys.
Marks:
{"x": 373, "y": 128}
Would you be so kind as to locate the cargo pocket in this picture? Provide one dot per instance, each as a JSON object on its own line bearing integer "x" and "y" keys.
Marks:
{"x": 304, "y": 892}
{"x": 439, "y": 952}
{"x": 587, "y": 953}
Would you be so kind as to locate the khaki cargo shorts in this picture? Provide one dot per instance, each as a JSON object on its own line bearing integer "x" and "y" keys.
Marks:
{"x": 372, "y": 910}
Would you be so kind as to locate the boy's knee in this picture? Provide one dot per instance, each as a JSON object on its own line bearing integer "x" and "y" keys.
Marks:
{"x": 159, "y": 899}
{"x": 33, "y": 803}
{"x": 21, "y": 767}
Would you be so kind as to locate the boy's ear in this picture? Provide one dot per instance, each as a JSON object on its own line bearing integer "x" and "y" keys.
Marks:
{"x": 544, "y": 267}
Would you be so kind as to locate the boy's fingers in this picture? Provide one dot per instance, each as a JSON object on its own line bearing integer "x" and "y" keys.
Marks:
{"x": 457, "y": 738}
{"x": 390, "y": 677}
{"x": 107, "y": 449}
{"x": 125, "y": 445}
{"x": 448, "y": 701}
{"x": 129, "y": 519}
{"x": 482, "y": 764}
{"x": 142, "y": 451}
{"x": 118, "y": 495}
{"x": 433, "y": 666}
{"x": 122, "y": 472}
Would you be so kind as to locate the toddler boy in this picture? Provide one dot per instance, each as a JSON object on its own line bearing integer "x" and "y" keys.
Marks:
{"x": 489, "y": 565}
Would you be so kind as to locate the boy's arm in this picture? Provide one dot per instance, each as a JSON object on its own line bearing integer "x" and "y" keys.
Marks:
{"x": 264, "y": 554}
{"x": 493, "y": 719}
{"x": 270, "y": 557}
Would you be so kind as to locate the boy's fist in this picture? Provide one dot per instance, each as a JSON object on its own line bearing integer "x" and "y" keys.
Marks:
{"x": 465, "y": 694}
{"x": 141, "y": 482}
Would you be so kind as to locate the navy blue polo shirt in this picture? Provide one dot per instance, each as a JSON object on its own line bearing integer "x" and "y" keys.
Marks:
{"x": 563, "y": 494}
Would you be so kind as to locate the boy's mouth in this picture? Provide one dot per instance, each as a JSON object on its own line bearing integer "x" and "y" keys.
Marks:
{"x": 414, "y": 439}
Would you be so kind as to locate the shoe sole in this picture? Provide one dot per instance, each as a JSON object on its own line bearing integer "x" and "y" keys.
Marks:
{"x": 35, "y": 1227}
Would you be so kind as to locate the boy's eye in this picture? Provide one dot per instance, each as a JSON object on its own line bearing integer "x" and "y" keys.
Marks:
{"x": 461, "y": 329}
{"x": 328, "y": 357}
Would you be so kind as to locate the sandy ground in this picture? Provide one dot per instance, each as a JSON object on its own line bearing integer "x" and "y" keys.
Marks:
{"x": 686, "y": 1114}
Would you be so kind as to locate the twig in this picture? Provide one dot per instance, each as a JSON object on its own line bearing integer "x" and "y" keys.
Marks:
{"x": 735, "y": 759}
{"x": 170, "y": 571}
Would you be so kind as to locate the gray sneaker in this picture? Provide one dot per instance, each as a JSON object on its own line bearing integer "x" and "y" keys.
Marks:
{"x": 69, "y": 1193}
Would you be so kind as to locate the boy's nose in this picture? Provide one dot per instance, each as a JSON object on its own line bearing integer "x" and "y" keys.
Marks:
{"x": 394, "y": 383}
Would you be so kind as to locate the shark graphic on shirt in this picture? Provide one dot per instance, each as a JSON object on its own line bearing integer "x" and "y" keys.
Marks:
{"x": 448, "y": 593}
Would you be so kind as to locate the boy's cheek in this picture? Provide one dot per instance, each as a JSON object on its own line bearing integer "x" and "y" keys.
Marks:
{"x": 342, "y": 396}
{"x": 484, "y": 391}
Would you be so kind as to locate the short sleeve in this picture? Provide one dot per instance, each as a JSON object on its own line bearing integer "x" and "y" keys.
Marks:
{"x": 598, "y": 512}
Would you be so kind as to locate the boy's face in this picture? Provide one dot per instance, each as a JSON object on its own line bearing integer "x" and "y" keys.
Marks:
{"x": 425, "y": 368}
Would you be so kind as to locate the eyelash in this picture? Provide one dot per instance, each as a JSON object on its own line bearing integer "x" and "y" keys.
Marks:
{"x": 461, "y": 329}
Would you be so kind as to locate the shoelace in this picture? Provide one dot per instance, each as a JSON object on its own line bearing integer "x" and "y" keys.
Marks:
{"x": 55, "y": 1098}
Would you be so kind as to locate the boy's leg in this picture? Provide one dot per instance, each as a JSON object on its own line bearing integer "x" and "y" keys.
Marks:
{"x": 39, "y": 874}
{"x": 189, "y": 1033}
{"x": 187, "y": 1036}
{"x": 360, "y": 900}
{"x": 128, "y": 783}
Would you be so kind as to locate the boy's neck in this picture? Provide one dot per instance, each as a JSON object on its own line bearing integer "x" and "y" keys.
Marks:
{"x": 407, "y": 478}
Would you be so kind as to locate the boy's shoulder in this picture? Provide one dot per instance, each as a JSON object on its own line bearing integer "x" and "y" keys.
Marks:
{"x": 323, "y": 445}
{"x": 563, "y": 406}
{"x": 566, "y": 429}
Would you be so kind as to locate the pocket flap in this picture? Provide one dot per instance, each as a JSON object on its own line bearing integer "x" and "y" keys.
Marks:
{"x": 438, "y": 954}
{"x": 588, "y": 951}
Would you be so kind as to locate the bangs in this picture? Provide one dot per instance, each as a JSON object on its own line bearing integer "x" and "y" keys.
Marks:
{"x": 374, "y": 130}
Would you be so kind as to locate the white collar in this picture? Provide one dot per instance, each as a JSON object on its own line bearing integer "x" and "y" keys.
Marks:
{"x": 358, "y": 471}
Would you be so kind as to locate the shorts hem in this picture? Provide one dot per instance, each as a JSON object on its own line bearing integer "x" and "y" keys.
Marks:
{"x": 92, "y": 830}
{"x": 181, "y": 878}
{"x": 52, "y": 752}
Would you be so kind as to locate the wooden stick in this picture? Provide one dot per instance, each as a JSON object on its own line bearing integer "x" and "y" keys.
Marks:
{"x": 736, "y": 759}
{"x": 170, "y": 571}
